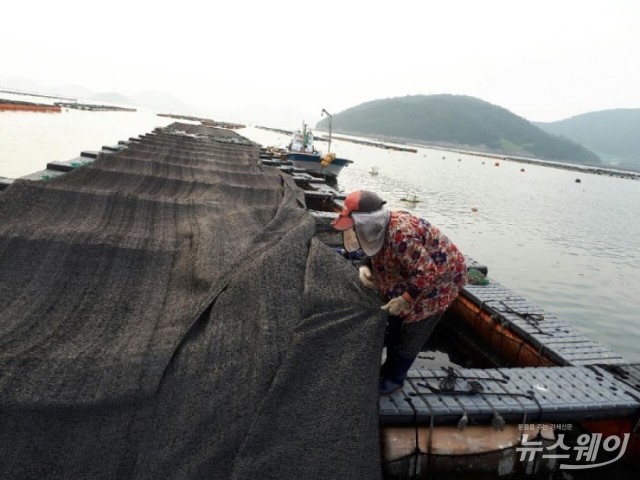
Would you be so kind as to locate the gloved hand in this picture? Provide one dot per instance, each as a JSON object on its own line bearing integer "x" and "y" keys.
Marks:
{"x": 396, "y": 306}
{"x": 366, "y": 277}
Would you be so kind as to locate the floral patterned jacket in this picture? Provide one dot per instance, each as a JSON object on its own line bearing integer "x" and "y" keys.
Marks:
{"x": 418, "y": 259}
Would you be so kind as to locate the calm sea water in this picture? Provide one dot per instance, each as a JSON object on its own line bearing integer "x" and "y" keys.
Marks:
{"x": 570, "y": 247}
{"x": 28, "y": 141}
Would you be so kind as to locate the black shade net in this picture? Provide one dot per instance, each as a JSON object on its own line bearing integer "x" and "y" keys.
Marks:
{"x": 166, "y": 312}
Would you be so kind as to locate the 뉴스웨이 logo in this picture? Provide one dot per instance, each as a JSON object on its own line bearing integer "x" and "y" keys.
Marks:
{"x": 579, "y": 456}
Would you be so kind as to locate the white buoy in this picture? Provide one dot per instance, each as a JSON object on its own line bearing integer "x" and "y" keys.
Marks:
{"x": 410, "y": 198}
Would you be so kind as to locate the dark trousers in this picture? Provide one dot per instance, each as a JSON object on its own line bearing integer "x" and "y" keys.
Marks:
{"x": 408, "y": 340}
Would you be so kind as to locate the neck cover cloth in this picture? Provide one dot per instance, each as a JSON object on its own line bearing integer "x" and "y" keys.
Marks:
{"x": 350, "y": 240}
{"x": 371, "y": 228}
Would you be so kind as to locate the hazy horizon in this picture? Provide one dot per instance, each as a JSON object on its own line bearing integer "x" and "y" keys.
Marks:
{"x": 64, "y": 91}
{"x": 285, "y": 61}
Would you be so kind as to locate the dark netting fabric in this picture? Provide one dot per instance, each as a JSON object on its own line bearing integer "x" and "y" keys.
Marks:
{"x": 166, "y": 313}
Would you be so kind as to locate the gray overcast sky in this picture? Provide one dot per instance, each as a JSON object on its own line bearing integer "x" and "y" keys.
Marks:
{"x": 544, "y": 60}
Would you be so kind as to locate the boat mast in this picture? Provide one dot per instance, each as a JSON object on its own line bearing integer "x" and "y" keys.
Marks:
{"x": 330, "y": 117}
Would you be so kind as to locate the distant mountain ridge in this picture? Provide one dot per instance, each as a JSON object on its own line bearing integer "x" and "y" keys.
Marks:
{"x": 457, "y": 121}
{"x": 160, "y": 101}
{"x": 612, "y": 134}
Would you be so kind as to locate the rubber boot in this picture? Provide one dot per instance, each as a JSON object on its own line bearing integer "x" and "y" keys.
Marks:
{"x": 388, "y": 366}
{"x": 391, "y": 338}
{"x": 393, "y": 379}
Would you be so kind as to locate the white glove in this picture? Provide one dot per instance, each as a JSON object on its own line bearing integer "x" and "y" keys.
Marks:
{"x": 366, "y": 277}
{"x": 396, "y": 306}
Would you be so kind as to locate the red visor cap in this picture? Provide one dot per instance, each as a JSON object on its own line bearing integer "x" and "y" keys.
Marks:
{"x": 359, "y": 201}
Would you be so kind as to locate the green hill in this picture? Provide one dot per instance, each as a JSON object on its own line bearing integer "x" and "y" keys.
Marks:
{"x": 613, "y": 134}
{"x": 456, "y": 121}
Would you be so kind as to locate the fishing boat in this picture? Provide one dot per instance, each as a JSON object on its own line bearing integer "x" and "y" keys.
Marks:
{"x": 302, "y": 154}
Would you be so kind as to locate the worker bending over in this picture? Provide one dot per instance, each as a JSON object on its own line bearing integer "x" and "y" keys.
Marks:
{"x": 413, "y": 265}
